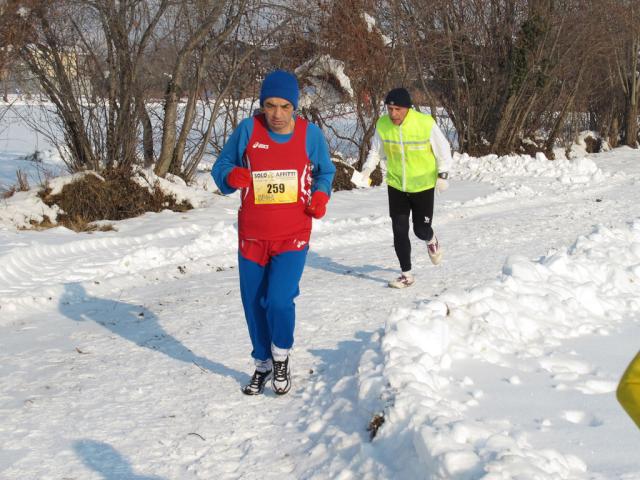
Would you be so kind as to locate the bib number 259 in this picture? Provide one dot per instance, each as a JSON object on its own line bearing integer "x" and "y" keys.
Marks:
{"x": 275, "y": 188}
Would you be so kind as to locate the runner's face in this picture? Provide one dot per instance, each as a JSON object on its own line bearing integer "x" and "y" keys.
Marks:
{"x": 397, "y": 114}
{"x": 279, "y": 114}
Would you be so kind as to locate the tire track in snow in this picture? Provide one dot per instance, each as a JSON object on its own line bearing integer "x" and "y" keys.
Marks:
{"x": 37, "y": 272}
{"x": 32, "y": 272}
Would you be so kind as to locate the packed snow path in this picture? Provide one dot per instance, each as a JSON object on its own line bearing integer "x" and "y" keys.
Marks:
{"x": 122, "y": 353}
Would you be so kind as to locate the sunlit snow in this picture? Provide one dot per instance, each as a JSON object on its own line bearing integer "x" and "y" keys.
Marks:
{"x": 122, "y": 352}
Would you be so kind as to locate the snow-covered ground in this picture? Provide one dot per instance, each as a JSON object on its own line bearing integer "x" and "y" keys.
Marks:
{"x": 122, "y": 352}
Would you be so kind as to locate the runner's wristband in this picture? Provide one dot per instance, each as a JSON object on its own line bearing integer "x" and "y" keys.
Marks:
{"x": 443, "y": 175}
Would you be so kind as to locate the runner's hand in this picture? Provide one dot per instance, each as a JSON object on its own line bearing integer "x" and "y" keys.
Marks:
{"x": 318, "y": 205}
{"x": 441, "y": 185}
{"x": 239, "y": 177}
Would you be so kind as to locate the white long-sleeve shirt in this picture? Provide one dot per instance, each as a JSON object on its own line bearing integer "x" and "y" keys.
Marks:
{"x": 439, "y": 145}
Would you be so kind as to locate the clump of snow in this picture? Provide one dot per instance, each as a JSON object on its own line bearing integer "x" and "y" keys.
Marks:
{"x": 514, "y": 175}
{"x": 559, "y": 153}
{"x": 541, "y": 157}
{"x": 172, "y": 185}
{"x": 372, "y": 27}
{"x": 321, "y": 92}
{"x": 57, "y": 184}
{"x": 23, "y": 209}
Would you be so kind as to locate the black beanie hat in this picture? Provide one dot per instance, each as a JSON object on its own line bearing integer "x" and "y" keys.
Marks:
{"x": 398, "y": 97}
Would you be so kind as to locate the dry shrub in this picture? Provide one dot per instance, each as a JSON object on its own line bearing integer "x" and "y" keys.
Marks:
{"x": 44, "y": 224}
{"x": 531, "y": 147}
{"x": 23, "y": 181}
{"x": 7, "y": 192}
{"x": 78, "y": 224}
{"x": 90, "y": 199}
{"x": 376, "y": 177}
{"x": 22, "y": 185}
{"x": 342, "y": 178}
{"x": 593, "y": 144}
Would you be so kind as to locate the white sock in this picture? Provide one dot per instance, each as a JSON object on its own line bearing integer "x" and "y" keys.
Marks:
{"x": 279, "y": 354}
{"x": 263, "y": 365}
{"x": 408, "y": 274}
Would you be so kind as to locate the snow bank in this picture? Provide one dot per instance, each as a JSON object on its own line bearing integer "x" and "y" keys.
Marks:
{"x": 520, "y": 175}
{"x": 491, "y": 168}
{"x": 530, "y": 308}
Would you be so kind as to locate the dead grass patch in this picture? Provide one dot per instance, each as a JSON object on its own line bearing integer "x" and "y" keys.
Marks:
{"x": 375, "y": 424}
{"x": 7, "y": 192}
{"x": 44, "y": 224}
{"x": 117, "y": 197}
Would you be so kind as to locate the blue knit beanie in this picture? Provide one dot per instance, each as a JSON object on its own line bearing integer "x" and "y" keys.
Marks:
{"x": 280, "y": 84}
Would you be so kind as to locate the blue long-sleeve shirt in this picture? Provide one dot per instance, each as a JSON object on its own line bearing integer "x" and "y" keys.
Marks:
{"x": 233, "y": 151}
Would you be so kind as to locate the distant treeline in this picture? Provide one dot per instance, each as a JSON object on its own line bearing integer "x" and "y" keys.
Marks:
{"x": 162, "y": 82}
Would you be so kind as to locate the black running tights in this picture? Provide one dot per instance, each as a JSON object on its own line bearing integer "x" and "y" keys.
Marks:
{"x": 420, "y": 206}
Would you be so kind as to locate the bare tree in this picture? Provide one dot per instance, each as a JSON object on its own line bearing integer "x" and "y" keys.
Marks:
{"x": 350, "y": 32}
{"x": 13, "y": 35}
{"x": 13, "y": 31}
{"x": 100, "y": 62}
{"x": 622, "y": 19}
{"x": 86, "y": 56}
{"x": 495, "y": 66}
{"x": 205, "y": 25}
{"x": 226, "y": 73}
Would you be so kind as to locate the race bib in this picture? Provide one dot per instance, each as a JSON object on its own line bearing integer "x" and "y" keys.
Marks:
{"x": 275, "y": 186}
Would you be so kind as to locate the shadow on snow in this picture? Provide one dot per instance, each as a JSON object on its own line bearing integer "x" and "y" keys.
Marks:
{"x": 359, "y": 271}
{"x": 135, "y": 323}
{"x": 105, "y": 460}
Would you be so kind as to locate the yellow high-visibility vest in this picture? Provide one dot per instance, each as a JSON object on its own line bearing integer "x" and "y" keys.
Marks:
{"x": 629, "y": 390}
{"x": 411, "y": 165}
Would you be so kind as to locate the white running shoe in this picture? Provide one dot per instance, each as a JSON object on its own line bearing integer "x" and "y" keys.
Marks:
{"x": 281, "y": 380}
{"x": 403, "y": 281}
{"x": 435, "y": 252}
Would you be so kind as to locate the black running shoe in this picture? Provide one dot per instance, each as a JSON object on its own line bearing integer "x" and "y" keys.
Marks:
{"x": 257, "y": 383}
{"x": 281, "y": 381}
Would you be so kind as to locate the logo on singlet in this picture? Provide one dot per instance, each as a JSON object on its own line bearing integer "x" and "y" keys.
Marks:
{"x": 260, "y": 145}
